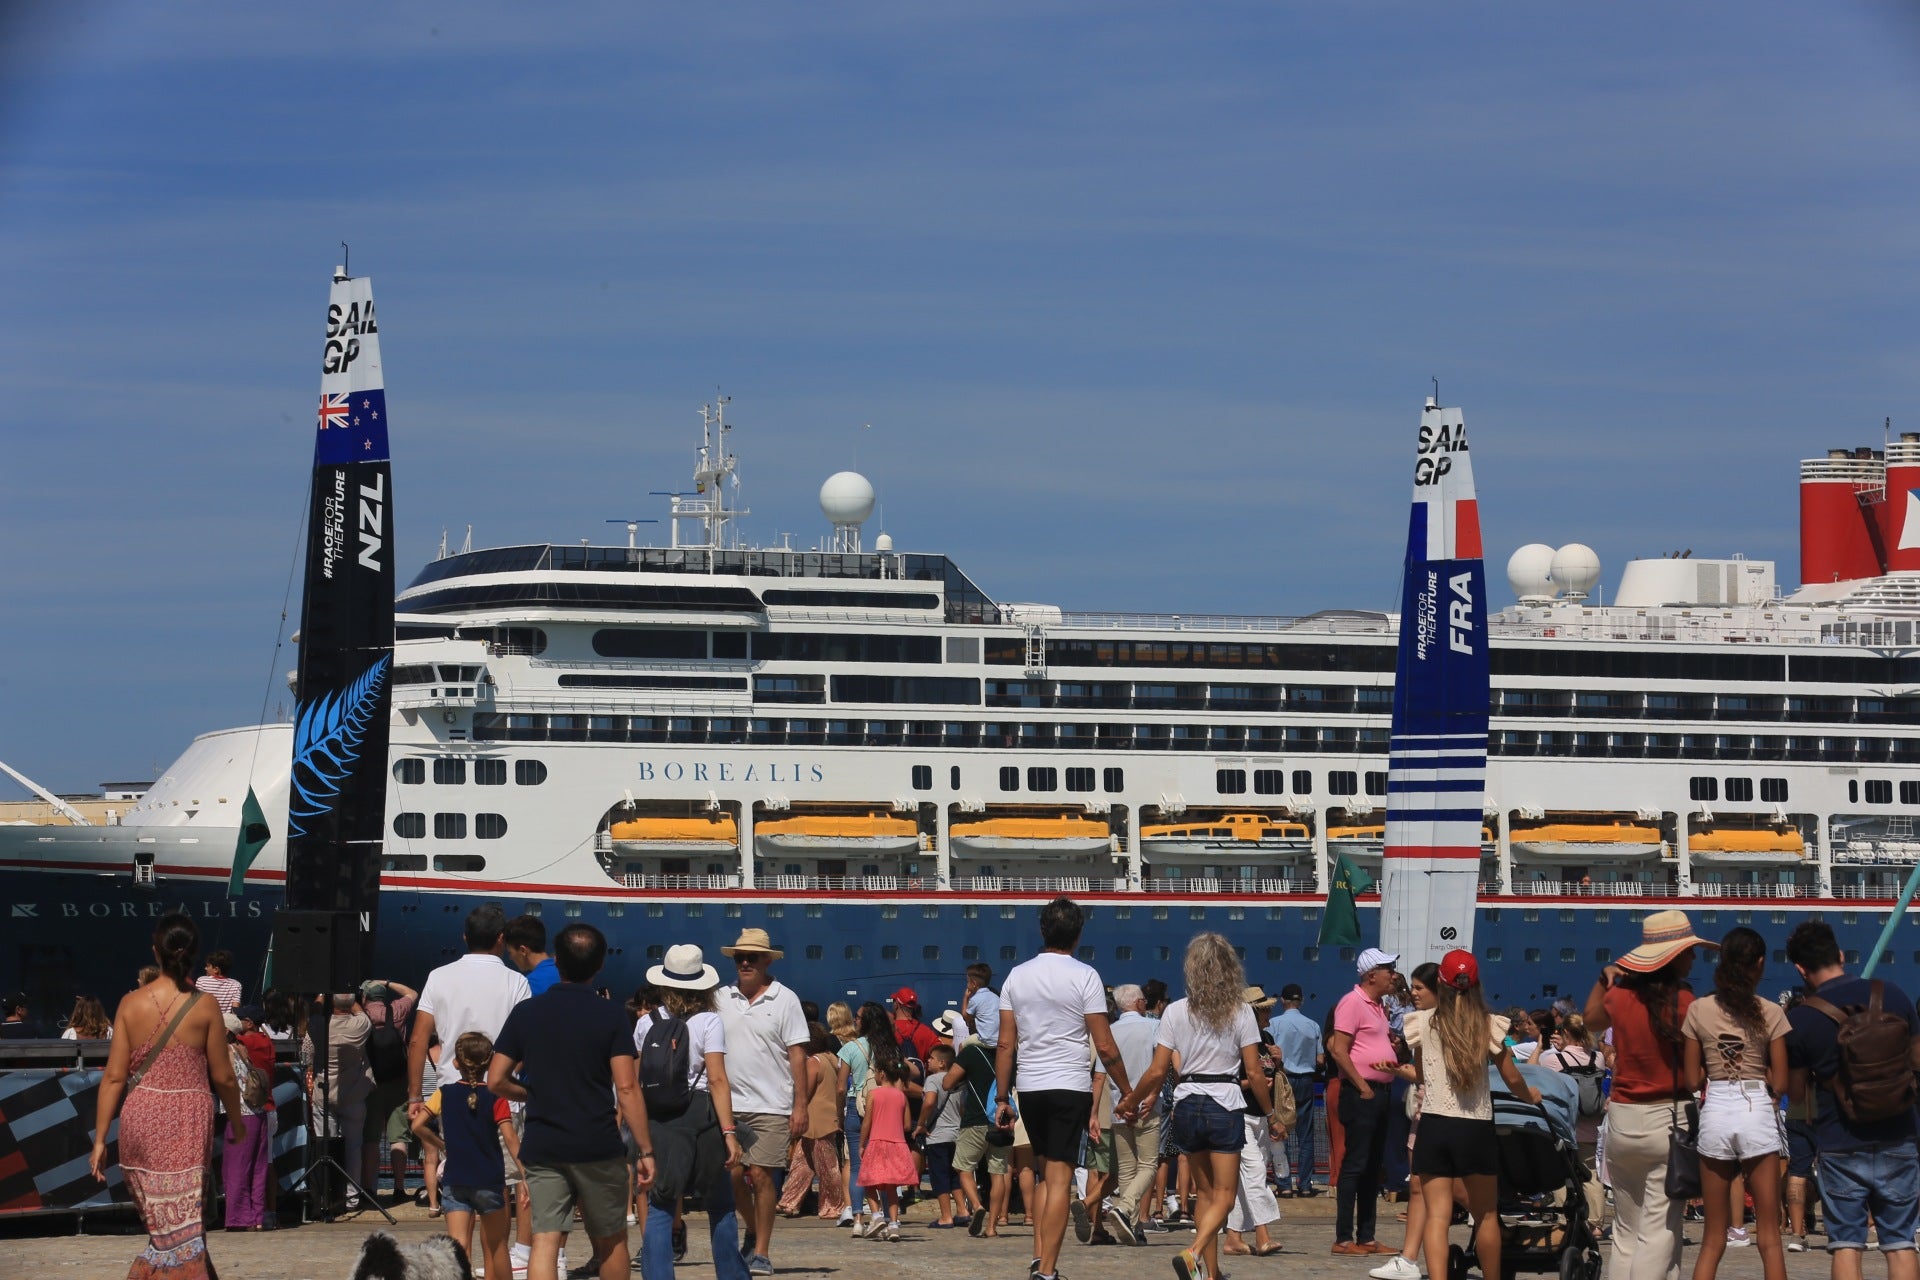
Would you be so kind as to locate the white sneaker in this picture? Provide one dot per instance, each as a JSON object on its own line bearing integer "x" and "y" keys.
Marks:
{"x": 1396, "y": 1268}
{"x": 1737, "y": 1238}
{"x": 891, "y": 1231}
{"x": 846, "y": 1218}
{"x": 521, "y": 1252}
{"x": 1796, "y": 1244}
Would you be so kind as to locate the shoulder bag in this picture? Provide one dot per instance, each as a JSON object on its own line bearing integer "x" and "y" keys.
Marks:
{"x": 1683, "y": 1151}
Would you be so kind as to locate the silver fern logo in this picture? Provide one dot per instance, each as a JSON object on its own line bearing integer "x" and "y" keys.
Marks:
{"x": 328, "y": 735}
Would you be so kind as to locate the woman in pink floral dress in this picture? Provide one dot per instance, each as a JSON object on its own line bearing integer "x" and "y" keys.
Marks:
{"x": 166, "y": 1123}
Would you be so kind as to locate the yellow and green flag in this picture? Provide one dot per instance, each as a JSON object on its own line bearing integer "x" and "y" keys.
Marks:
{"x": 1340, "y": 919}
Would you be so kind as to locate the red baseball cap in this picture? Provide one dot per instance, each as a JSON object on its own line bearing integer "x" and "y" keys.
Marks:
{"x": 1459, "y": 969}
{"x": 904, "y": 995}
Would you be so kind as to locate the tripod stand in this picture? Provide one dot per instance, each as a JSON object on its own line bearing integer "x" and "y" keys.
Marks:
{"x": 321, "y": 1167}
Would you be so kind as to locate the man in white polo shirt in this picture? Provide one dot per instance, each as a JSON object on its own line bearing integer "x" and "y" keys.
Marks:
{"x": 767, "y": 1069}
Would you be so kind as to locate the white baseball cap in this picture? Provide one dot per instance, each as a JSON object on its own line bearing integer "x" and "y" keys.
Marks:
{"x": 1374, "y": 958}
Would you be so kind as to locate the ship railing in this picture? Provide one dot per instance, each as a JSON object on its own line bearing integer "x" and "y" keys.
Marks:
{"x": 1210, "y": 884}
{"x": 1902, "y": 853}
{"x": 634, "y": 880}
{"x": 1190, "y": 622}
{"x": 1593, "y": 889}
{"x": 1036, "y": 884}
{"x": 1866, "y": 892}
{"x": 1714, "y": 889}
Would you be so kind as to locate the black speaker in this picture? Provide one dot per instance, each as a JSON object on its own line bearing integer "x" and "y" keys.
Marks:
{"x": 317, "y": 952}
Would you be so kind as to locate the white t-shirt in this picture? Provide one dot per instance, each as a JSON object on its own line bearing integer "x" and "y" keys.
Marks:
{"x": 474, "y": 993}
{"x": 1207, "y": 1052}
{"x": 706, "y": 1034}
{"x": 758, "y": 1034}
{"x": 1051, "y": 996}
{"x": 985, "y": 1010}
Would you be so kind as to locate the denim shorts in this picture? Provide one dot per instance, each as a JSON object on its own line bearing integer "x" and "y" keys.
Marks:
{"x": 475, "y": 1200}
{"x": 1200, "y": 1124}
{"x": 1883, "y": 1180}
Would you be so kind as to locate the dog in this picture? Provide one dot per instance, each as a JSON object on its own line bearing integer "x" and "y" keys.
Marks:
{"x": 435, "y": 1258}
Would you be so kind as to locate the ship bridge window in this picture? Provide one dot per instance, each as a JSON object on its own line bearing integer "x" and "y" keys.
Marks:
{"x": 928, "y": 690}
{"x": 521, "y": 595}
{"x": 529, "y": 773}
{"x": 852, "y": 599}
{"x": 1080, "y": 779}
{"x": 1739, "y": 790}
{"x": 1230, "y": 782}
{"x": 596, "y": 681}
{"x": 449, "y": 772}
{"x": 509, "y": 641}
{"x": 659, "y": 645}
{"x": 449, "y": 826}
{"x": 410, "y": 771}
{"x": 1879, "y": 791}
{"x": 410, "y": 826}
{"x": 490, "y": 773}
{"x": 1376, "y": 782}
{"x": 1113, "y": 780}
{"x": 1343, "y": 782}
{"x": 1703, "y": 789}
{"x": 413, "y": 675}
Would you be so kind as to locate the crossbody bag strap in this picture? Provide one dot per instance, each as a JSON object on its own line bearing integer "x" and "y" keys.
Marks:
{"x": 133, "y": 1081}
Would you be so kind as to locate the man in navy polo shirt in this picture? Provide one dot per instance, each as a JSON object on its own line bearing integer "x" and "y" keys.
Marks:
{"x": 581, "y": 1080}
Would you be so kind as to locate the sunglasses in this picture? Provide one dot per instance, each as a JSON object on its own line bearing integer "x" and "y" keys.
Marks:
{"x": 748, "y": 957}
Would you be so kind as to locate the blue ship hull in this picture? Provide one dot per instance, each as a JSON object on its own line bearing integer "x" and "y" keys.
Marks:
{"x": 70, "y": 933}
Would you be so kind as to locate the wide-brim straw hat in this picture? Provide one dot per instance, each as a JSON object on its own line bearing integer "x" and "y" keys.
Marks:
{"x": 1256, "y": 995}
{"x": 1663, "y": 935}
{"x": 685, "y": 967}
{"x": 753, "y": 940}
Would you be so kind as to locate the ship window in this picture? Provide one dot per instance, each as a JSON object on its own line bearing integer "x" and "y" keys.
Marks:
{"x": 813, "y": 911}
{"x": 1533, "y": 955}
{"x": 1879, "y": 791}
{"x": 953, "y": 778}
{"x": 413, "y": 675}
{"x": 1773, "y": 790}
{"x": 1303, "y": 782}
{"x": 1853, "y": 791}
{"x": 1113, "y": 780}
{"x": 1703, "y": 789}
{"x": 969, "y": 912}
{"x": 656, "y": 910}
{"x": 889, "y": 952}
{"x": 889, "y": 913}
{"x": 450, "y": 826}
{"x": 1163, "y": 953}
{"x": 1010, "y": 777}
{"x": 1566, "y": 955}
{"x": 1196, "y": 913}
{"x": 529, "y": 773}
{"x": 930, "y": 953}
{"x": 404, "y": 862}
{"x": 970, "y": 953}
{"x": 450, "y": 773}
{"x": 1123, "y": 953}
{"x": 410, "y": 772}
{"x": 1275, "y": 953}
{"x": 853, "y": 952}
{"x": 489, "y": 826}
{"x": 815, "y": 951}
{"x": 696, "y": 910}
{"x": 1376, "y": 782}
{"x": 1159, "y": 913}
{"x": 1603, "y": 955}
{"x": 1342, "y": 782}
{"x": 662, "y": 645}
{"x": 490, "y": 773}
{"x": 923, "y": 777}
{"x": 1043, "y": 779}
{"x": 1230, "y": 782}
{"x": 410, "y": 826}
{"x": 459, "y": 862}
{"x": 1079, "y": 779}
{"x": 730, "y": 644}
{"x": 1269, "y": 782}
{"x": 1009, "y": 953}
{"x": 1086, "y": 953}
{"x": 1739, "y": 790}
{"x": 1910, "y": 792}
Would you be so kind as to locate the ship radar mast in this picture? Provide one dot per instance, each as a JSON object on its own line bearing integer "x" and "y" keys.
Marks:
{"x": 712, "y": 476}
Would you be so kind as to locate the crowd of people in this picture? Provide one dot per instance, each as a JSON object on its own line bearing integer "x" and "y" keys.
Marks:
{"x": 546, "y": 1113}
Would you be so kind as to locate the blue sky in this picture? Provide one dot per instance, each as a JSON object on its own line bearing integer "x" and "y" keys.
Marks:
{"x": 1141, "y": 300}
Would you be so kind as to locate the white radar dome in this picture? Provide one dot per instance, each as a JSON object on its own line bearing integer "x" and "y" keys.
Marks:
{"x": 883, "y": 543}
{"x": 1575, "y": 570}
{"x": 847, "y": 498}
{"x": 1530, "y": 573}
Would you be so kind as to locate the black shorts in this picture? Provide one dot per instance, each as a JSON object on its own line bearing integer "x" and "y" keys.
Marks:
{"x": 940, "y": 1174}
{"x": 1799, "y": 1149}
{"x": 1056, "y": 1120}
{"x": 1452, "y": 1147}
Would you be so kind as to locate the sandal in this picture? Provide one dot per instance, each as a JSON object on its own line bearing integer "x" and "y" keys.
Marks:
{"x": 1264, "y": 1251}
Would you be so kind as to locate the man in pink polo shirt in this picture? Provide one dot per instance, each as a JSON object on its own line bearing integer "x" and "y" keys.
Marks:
{"x": 1362, "y": 1047}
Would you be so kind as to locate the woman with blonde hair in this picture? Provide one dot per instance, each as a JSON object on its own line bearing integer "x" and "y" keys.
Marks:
{"x": 1452, "y": 1045}
{"x": 1214, "y": 1032}
{"x": 840, "y": 1022}
{"x": 1576, "y": 1052}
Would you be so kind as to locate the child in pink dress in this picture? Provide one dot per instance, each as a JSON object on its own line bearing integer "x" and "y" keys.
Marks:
{"x": 886, "y": 1164}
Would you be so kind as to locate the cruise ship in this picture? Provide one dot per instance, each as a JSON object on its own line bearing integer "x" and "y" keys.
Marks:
{"x": 863, "y": 751}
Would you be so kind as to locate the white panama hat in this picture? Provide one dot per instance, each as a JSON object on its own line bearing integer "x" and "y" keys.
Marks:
{"x": 685, "y": 967}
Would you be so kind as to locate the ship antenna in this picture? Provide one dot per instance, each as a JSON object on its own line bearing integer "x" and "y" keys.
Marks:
{"x": 346, "y": 260}
{"x": 1436, "y": 391}
{"x": 633, "y": 529}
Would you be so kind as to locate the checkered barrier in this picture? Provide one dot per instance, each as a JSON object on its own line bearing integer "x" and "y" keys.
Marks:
{"x": 46, "y": 1139}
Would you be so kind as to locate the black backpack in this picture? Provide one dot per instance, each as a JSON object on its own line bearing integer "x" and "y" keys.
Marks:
{"x": 1593, "y": 1098}
{"x": 664, "y": 1060}
{"x": 387, "y": 1049}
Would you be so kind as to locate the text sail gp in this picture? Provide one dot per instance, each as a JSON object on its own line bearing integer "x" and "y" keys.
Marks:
{"x": 337, "y": 793}
{"x": 1437, "y": 755}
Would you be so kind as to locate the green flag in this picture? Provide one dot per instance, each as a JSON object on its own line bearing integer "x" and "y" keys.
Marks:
{"x": 253, "y": 838}
{"x": 1340, "y": 920}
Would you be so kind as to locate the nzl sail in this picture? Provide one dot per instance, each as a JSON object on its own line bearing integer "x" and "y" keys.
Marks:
{"x": 337, "y": 797}
{"x": 1437, "y": 758}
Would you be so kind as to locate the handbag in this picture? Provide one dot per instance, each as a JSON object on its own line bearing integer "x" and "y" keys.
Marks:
{"x": 1683, "y": 1149}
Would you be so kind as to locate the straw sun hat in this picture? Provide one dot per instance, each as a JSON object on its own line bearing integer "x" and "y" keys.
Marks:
{"x": 1663, "y": 935}
{"x": 753, "y": 940}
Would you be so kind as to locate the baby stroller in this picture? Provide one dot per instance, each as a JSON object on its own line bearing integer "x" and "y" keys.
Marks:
{"x": 1543, "y": 1212}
